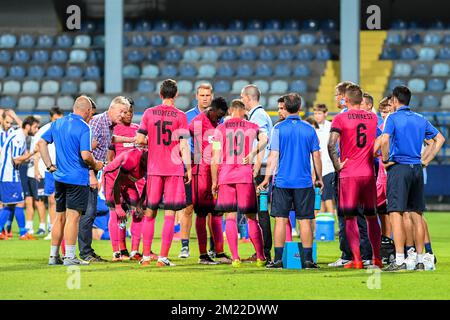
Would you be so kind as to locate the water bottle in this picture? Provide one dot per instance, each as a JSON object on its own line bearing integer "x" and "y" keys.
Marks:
{"x": 263, "y": 201}
{"x": 318, "y": 198}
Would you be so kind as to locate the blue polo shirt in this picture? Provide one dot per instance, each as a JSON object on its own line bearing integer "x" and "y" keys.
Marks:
{"x": 407, "y": 130}
{"x": 71, "y": 135}
{"x": 295, "y": 140}
{"x": 192, "y": 113}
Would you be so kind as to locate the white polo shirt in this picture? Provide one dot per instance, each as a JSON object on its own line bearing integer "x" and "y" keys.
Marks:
{"x": 324, "y": 136}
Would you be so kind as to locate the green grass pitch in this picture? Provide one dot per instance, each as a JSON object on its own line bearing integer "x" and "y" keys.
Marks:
{"x": 24, "y": 274}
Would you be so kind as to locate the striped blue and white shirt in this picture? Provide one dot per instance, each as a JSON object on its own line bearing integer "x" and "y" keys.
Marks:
{"x": 15, "y": 146}
{"x": 5, "y": 134}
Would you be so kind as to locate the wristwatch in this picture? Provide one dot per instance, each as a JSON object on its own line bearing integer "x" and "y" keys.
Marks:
{"x": 385, "y": 161}
{"x": 48, "y": 168}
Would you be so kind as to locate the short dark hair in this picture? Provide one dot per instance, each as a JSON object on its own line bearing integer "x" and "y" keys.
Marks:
{"x": 30, "y": 120}
{"x": 219, "y": 103}
{"x": 281, "y": 99}
{"x": 368, "y": 98}
{"x": 403, "y": 94}
{"x": 168, "y": 89}
{"x": 312, "y": 122}
{"x": 321, "y": 107}
{"x": 237, "y": 103}
{"x": 56, "y": 110}
{"x": 130, "y": 101}
{"x": 354, "y": 94}
{"x": 292, "y": 102}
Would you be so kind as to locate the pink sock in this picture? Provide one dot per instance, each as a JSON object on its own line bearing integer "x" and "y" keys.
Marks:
{"x": 352, "y": 233}
{"x": 202, "y": 237}
{"x": 217, "y": 233}
{"x": 136, "y": 232}
{"x": 167, "y": 235}
{"x": 63, "y": 247}
{"x": 256, "y": 237}
{"x": 288, "y": 231}
{"x": 148, "y": 231}
{"x": 113, "y": 230}
{"x": 231, "y": 231}
{"x": 374, "y": 233}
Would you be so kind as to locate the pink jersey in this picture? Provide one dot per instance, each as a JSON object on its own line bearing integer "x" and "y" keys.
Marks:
{"x": 357, "y": 129}
{"x": 129, "y": 161}
{"x": 124, "y": 131}
{"x": 164, "y": 127}
{"x": 202, "y": 131}
{"x": 382, "y": 176}
{"x": 236, "y": 137}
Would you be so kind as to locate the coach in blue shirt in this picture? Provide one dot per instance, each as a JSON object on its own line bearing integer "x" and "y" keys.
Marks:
{"x": 72, "y": 138}
{"x": 401, "y": 144}
{"x": 292, "y": 143}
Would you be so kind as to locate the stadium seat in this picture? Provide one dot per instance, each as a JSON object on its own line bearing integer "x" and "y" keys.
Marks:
{"x": 195, "y": 40}
{"x": 138, "y": 40}
{"x": 413, "y": 38}
{"x": 183, "y": 103}
{"x": 213, "y": 40}
{"x": 445, "y": 101}
{"x": 187, "y": 71}
{"x": 142, "y": 103}
{"x": 232, "y": 40}
{"x": 328, "y": 24}
{"x": 307, "y": 39}
{"x": 131, "y": 71}
{"x": 191, "y": 55}
{"x": 402, "y": 70}
{"x": 26, "y": 41}
{"x": 415, "y": 101}
{"x": 50, "y": 87}
{"x": 263, "y": 70}
{"x": 59, "y": 56}
{"x": 99, "y": 41}
{"x": 176, "y": 40}
{"x": 74, "y": 72}
{"x": 45, "y": 103}
{"x": 21, "y": 56}
{"x": 3, "y": 72}
{"x": 325, "y": 39}
{"x": 103, "y": 102}
{"x": 430, "y": 102}
{"x": 310, "y": 25}
{"x": 272, "y": 25}
{"x": 254, "y": 25}
{"x": 69, "y": 87}
{"x": 225, "y": 70}
{"x": 444, "y": 53}
{"x": 142, "y": 26}
{"x": 291, "y": 25}
{"x": 288, "y": 40}
{"x": 207, "y": 71}
{"x": 394, "y": 39}
{"x": 298, "y": 86}
{"x": 270, "y": 40}
{"x": 161, "y": 25}
{"x": 323, "y": 54}
{"x": 77, "y": 56}
{"x": 154, "y": 55}
{"x": 40, "y": 56}
{"x": 26, "y": 103}
{"x": 65, "y": 103}
{"x": 247, "y": 54}
{"x": 238, "y": 85}
{"x": 446, "y": 39}
{"x": 416, "y": 85}
{"x": 396, "y": 82}
{"x": 305, "y": 55}
{"x": 432, "y": 38}
{"x": 128, "y": 26}
{"x": 8, "y": 102}
{"x": 36, "y": 72}
{"x": 210, "y": 55}
{"x": 421, "y": 69}
{"x": 222, "y": 86}
{"x": 250, "y": 40}
{"x": 282, "y": 70}
{"x": 436, "y": 85}
{"x": 236, "y": 25}
{"x": 92, "y": 72}
{"x": 64, "y": 41}
{"x": 273, "y": 102}
{"x": 82, "y": 41}
{"x": 427, "y": 54}
{"x": 150, "y": 71}
{"x": 11, "y": 87}
{"x": 45, "y": 41}
{"x": 244, "y": 70}
{"x": 440, "y": 70}
{"x": 5, "y": 56}
{"x": 30, "y": 87}
{"x": 229, "y": 55}
{"x": 447, "y": 86}
{"x": 125, "y": 41}
{"x": 168, "y": 71}
{"x": 408, "y": 54}
{"x": 8, "y": 41}
{"x": 146, "y": 86}
{"x": 278, "y": 86}
{"x": 389, "y": 53}
{"x": 286, "y": 54}
{"x": 157, "y": 40}
{"x": 55, "y": 72}
{"x": 135, "y": 56}
{"x": 17, "y": 72}
{"x": 266, "y": 54}
{"x": 88, "y": 26}
{"x": 88, "y": 87}
{"x": 262, "y": 85}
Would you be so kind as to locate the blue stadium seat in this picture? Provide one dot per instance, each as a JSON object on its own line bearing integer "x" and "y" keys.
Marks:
{"x": 430, "y": 102}
{"x": 216, "y": 26}
{"x": 185, "y": 87}
{"x": 250, "y": 40}
{"x": 288, "y": 40}
{"x": 402, "y": 70}
{"x": 436, "y": 85}
{"x": 270, "y": 40}
{"x": 298, "y": 86}
{"x": 146, "y": 86}
{"x": 325, "y": 39}
{"x": 178, "y": 26}
{"x": 64, "y": 41}
{"x": 131, "y": 71}
{"x": 323, "y": 54}
{"x": 142, "y": 103}
{"x": 92, "y": 72}
{"x": 187, "y": 70}
{"x": 273, "y": 102}
{"x": 263, "y": 70}
{"x": 302, "y": 70}
{"x": 262, "y": 85}
{"x": 128, "y": 26}
{"x": 291, "y": 25}
{"x": 50, "y": 87}
{"x": 213, "y": 40}
{"x": 99, "y": 41}
{"x": 135, "y": 56}
{"x": 5, "y": 56}
{"x": 161, "y": 25}
{"x": 45, "y": 41}
{"x": 416, "y": 85}
{"x": 229, "y": 55}
{"x": 78, "y": 56}
{"x": 282, "y": 70}
{"x": 69, "y": 87}
{"x": 247, "y": 54}
{"x": 195, "y": 40}
{"x": 65, "y": 103}
{"x": 103, "y": 102}
{"x": 328, "y": 25}
{"x": 272, "y": 25}
{"x": 210, "y": 55}
{"x": 88, "y": 87}
{"x": 207, "y": 71}
{"x": 263, "y": 100}
{"x": 236, "y": 25}
{"x": 232, "y": 40}
{"x": 427, "y": 53}
{"x": 310, "y": 25}
{"x": 266, "y": 54}
{"x": 396, "y": 82}
{"x": 40, "y": 56}
{"x": 150, "y": 71}
{"x": 45, "y": 103}
{"x": 8, "y": 41}
{"x": 200, "y": 25}
{"x": 26, "y": 103}
{"x": 444, "y": 53}
{"x": 440, "y": 70}
{"x": 238, "y": 85}
{"x": 421, "y": 69}
{"x": 254, "y": 25}
{"x": 26, "y": 41}
{"x": 389, "y": 53}
{"x": 154, "y": 55}
{"x": 125, "y": 41}
{"x": 394, "y": 39}
{"x": 183, "y": 103}
{"x": 191, "y": 55}
{"x": 143, "y": 26}
{"x": 408, "y": 54}
{"x": 36, "y": 72}
{"x": 286, "y": 54}
{"x": 222, "y": 86}
{"x": 307, "y": 39}
{"x": 96, "y": 56}
{"x": 446, "y": 39}
{"x": 244, "y": 70}
{"x": 168, "y": 71}
{"x": 21, "y": 56}
{"x": 55, "y": 72}
{"x": 157, "y": 40}
{"x": 173, "y": 55}
{"x": 176, "y": 40}
{"x": 138, "y": 40}
{"x": 88, "y": 26}
{"x": 17, "y": 72}
{"x": 415, "y": 101}
{"x": 11, "y": 87}
{"x": 8, "y": 102}
{"x": 413, "y": 38}
{"x": 59, "y": 56}
{"x": 3, "y": 72}
{"x": 432, "y": 38}
{"x": 74, "y": 72}
{"x": 82, "y": 41}
{"x": 30, "y": 87}
{"x": 225, "y": 70}
{"x": 445, "y": 101}
{"x": 438, "y": 25}
{"x": 305, "y": 55}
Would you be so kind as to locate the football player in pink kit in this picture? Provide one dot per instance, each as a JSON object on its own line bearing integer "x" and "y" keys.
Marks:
{"x": 202, "y": 129}
{"x": 121, "y": 192}
{"x": 356, "y": 130}
{"x": 124, "y": 136}
{"x": 164, "y": 128}
{"x": 232, "y": 180}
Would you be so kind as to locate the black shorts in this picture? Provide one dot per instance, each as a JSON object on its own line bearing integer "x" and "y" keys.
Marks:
{"x": 329, "y": 187}
{"x": 284, "y": 198}
{"x": 405, "y": 188}
{"x": 188, "y": 191}
{"x": 35, "y": 189}
{"x": 71, "y": 196}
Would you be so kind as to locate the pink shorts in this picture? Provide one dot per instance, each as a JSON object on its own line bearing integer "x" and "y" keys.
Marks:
{"x": 381, "y": 197}
{"x": 128, "y": 190}
{"x": 140, "y": 184}
{"x": 202, "y": 197}
{"x": 172, "y": 187}
{"x": 240, "y": 197}
{"x": 355, "y": 193}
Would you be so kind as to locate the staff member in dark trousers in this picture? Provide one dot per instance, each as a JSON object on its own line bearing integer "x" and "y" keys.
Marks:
{"x": 102, "y": 130}
{"x": 401, "y": 144}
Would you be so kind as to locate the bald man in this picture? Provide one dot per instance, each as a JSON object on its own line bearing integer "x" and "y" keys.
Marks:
{"x": 72, "y": 138}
